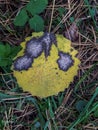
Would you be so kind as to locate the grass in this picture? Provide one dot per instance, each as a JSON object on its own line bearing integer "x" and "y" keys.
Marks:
{"x": 77, "y": 107}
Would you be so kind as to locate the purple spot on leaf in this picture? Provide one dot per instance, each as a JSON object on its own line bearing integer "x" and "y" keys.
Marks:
{"x": 65, "y": 61}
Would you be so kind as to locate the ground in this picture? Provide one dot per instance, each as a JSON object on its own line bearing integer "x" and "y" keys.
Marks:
{"x": 77, "y": 107}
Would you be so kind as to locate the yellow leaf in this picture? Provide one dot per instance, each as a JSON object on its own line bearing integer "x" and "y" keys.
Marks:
{"x": 48, "y": 75}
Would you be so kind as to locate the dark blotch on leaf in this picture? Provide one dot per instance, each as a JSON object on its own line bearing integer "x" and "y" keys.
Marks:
{"x": 34, "y": 49}
{"x": 23, "y": 63}
{"x": 65, "y": 61}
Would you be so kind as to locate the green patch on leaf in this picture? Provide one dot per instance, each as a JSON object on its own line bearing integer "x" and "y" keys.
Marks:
{"x": 21, "y": 18}
{"x": 36, "y": 6}
{"x": 36, "y": 23}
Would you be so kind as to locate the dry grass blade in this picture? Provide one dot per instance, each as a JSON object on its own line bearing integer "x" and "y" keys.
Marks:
{"x": 68, "y": 14}
{"x": 51, "y": 16}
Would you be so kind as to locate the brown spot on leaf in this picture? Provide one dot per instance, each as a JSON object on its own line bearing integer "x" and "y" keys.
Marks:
{"x": 72, "y": 33}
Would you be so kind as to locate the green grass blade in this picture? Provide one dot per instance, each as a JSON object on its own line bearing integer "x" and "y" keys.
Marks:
{"x": 86, "y": 112}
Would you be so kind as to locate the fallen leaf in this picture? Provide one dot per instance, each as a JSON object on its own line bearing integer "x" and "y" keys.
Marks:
{"x": 72, "y": 33}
